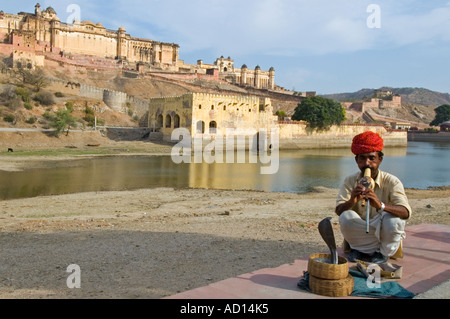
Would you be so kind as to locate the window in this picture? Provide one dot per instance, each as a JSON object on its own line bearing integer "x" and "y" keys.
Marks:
{"x": 159, "y": 121}
{"x": 200, "y": 127}
{"x": 212, "y": 127}
{"x": 176, "y": 121}
{"x": 168, "y": 121}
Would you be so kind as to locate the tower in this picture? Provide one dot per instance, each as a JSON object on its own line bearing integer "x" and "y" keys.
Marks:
{"x": 37, "y": 10}
{"x": 271, "y": 78}
{"x": 243, "y": 75}
{"x": 120, "y": 42}
{"x": 257, "y": 83}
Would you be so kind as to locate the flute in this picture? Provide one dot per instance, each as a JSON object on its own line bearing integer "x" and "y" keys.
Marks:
{"x": 367, "y": 181}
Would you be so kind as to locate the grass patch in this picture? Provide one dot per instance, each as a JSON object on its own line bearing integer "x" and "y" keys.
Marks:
{"x": 72, "y": 152}
{"x": 40, "y": 216}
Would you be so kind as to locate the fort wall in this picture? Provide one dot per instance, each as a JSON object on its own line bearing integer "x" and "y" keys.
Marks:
{"x": 422, "y": 136}
{"x": 118, "y": 101}
{"x": 205, "y": 114}
{"x": 381, "y": 101}
{"x": 296, "y": 135}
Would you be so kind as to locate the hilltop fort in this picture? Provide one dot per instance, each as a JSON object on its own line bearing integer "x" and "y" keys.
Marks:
{"x": 31, "y": 38}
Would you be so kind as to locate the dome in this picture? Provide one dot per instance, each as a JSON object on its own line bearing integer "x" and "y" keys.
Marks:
{"x": 50, "y": 10}
{"x": 258, "y": 67}
{"x": 87, "y": 22}
{"x": 244, "y": 66}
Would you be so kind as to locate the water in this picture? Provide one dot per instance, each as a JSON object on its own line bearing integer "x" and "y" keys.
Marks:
{"x": 420, "y": 165}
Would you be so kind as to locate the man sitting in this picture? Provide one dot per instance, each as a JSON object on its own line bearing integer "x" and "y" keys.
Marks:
{"x": 389, "y": 208}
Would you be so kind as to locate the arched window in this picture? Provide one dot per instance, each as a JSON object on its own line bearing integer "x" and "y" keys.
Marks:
{"x": 212, "y": 127}
{"x": 159, "y": 121}
{"x": 168, "y": 121}
{"x": 176, "y": 121}
{"x": 200, "y": 127}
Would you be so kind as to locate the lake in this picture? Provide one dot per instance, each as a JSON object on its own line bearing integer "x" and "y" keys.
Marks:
{"x": 420, "y": 165}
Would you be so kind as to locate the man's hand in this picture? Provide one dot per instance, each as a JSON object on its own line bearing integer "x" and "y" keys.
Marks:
{"x": 369, "y": 194}
{"x": 359, "y": 193}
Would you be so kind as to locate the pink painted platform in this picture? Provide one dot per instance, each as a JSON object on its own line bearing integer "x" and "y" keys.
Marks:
{"x": 426, "y": 264}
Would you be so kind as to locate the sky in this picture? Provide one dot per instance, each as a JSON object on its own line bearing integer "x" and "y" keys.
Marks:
{"x": 326, "y": 46}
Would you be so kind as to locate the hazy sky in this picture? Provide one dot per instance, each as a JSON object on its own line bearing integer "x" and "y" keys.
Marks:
{"x": 327, "y": 46}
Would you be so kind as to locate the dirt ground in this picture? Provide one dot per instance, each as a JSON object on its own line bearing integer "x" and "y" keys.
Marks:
{"x": 152, "y": 243}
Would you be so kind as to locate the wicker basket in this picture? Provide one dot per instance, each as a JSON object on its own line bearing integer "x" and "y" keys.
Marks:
{"x": 331, "y": 288}
{"x": 324, "y": 270}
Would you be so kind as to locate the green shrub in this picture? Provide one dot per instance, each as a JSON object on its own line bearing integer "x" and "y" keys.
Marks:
{"x": 90, "y": 115}
{"x": 90, "y": 118}
{"x": 89, "y": 110}
{"x": 100, "y": 122}
{"x": 28, "y": 106}
{"x": 45, "y": 98}
{"x": 59, "y": 94}
{"x": 69, "y": 106}
{"x": 62, "y": 121}
{"x": 31, "y": 120}
{"x": 24, "y": 93}
{"x": 48, "y": 116}
{"x": 9, "y": 118}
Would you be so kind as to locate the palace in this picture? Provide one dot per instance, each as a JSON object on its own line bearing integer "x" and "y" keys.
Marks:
{"x": 204, "y": 113}
{"x": 44, "y": 32}
{"x": 243, "y": 76}
{"x": 31, "y": 38}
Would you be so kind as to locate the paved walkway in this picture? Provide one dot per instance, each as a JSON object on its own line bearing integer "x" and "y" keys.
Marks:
{"x": 426, "y": 265}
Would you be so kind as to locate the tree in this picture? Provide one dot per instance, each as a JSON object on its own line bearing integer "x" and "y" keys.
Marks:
{"x": 281, "y": 115}
{"x": 38, "y": 79}
{"x": 62, "y": 121}
{"x": 442, "y": 114}
{"x": 35, "y": 77}
{"x": 319, "y": 112}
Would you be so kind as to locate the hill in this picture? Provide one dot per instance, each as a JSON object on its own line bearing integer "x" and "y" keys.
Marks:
{"x": 417, "y": 107}
{"x": 419, "y": 96}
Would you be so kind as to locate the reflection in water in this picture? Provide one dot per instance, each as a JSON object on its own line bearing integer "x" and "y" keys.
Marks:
{"x": 420, "y": 165}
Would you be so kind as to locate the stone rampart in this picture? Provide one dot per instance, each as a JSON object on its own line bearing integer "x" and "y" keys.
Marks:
{"x": 421, "y": 136}
{"x": 91, "y": 92}
{"x": 118, "y": 101}
{"x": 115, "y": 100}
{"x": 296, "y": 135}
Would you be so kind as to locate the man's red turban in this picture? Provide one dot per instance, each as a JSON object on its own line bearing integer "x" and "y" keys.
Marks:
{"x": 367, "y": 142}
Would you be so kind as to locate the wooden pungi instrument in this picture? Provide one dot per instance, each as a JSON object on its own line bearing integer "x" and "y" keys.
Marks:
{"x": 367, "y": 182}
